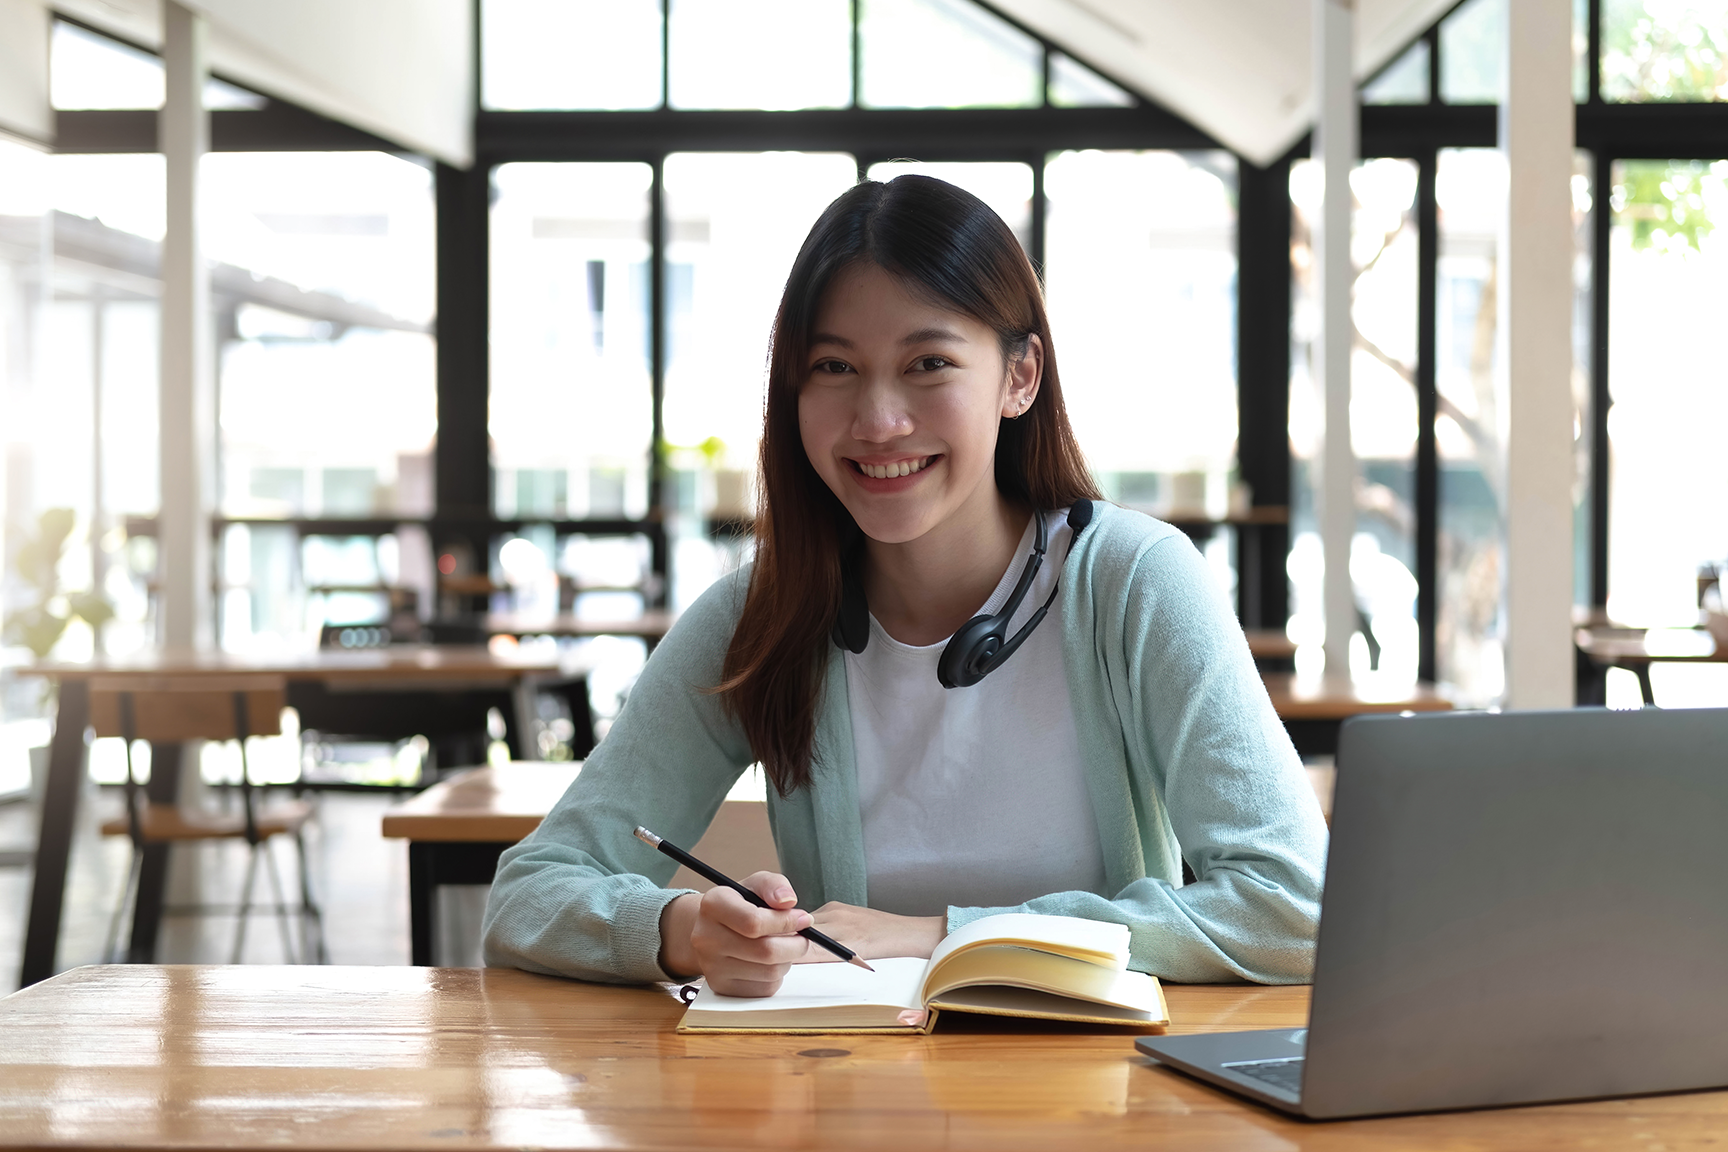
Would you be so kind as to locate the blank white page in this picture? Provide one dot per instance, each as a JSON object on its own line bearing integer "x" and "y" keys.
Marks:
{"x": 894, "y": 984}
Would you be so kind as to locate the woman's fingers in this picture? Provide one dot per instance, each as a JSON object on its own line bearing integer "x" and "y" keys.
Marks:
{"x": 746, "y": 950}
{"x": 764, "y": 935}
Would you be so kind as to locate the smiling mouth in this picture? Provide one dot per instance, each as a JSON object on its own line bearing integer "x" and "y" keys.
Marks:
{"x": 890, "y": 471}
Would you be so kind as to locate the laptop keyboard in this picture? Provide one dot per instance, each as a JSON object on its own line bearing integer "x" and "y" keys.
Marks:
{"x": 1285, "y": 1074}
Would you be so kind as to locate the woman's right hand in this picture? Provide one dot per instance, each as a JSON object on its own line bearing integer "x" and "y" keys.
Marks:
{"x": 741, "y": 949}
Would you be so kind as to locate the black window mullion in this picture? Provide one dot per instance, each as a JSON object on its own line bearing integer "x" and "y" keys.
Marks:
{"x": 1040, "y": 208}
{"x": 1593, "y": 59}
{"x": 1427, "y": 410}
{"x": 665, "y": 54}
{"x": 657, "y": 324}
{"x": 1263, "y": 301}
{"x": 857, "y": 61}
{"x": 1432, "y": 36}
{"x": 1601, "y": 222}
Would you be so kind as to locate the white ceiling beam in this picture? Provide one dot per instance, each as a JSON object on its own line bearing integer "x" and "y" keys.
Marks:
{"x": 24, "y": 109}
{"x": 1238, "y": 70}
{"x": 400, "y": 69}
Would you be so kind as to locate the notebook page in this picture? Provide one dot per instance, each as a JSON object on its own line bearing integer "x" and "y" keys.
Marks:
{"x": 894, "y": 984}
{"x": 1091, "y": 940}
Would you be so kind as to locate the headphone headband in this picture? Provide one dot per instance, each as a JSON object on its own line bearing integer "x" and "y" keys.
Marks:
{"x": 982, "y": 644}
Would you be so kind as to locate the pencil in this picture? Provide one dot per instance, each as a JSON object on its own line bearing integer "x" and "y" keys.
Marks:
{"x": 719, "y": 877}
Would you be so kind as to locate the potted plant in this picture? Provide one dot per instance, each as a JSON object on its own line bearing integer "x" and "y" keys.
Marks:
{"x": 39, "y": 625}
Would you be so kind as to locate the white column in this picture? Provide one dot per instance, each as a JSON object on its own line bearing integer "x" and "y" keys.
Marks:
{"x": 1335, "y": 151}
{"x": 1535, "y": 325}
{"x": 187, "y": 399}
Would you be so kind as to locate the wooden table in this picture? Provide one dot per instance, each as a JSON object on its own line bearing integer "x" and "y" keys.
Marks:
{"x": 1312, "y": 708}
{"x": 1272, "y": 650}
{"x": 1635, "y": 649}
{"x": 457, "y": 829}
{"x": 650, "y": 626}
{"x": 147, "y": 1057}
{"x": 403, "y": 668}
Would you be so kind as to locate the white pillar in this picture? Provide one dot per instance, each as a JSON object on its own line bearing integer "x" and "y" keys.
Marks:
{"x": 184, "y": 617}
{"x": 1335, "y": 151}
{"x": 1535, "y": 325}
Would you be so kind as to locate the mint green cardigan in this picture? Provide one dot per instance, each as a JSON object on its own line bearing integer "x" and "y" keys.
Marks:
{"x": 1184, "y": 757}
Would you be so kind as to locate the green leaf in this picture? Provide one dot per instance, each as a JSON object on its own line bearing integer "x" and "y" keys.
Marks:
{"x": 36, "y": 629}
{"x": 92, "y": 607}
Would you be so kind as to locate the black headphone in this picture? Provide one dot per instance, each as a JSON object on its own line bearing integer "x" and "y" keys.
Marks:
{"x": 982, "y": 644}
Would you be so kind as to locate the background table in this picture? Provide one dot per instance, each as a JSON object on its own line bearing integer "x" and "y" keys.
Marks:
{"x": 651, "y": 626}
{"x": 1312, "y": 708}
{"x": 457, "y": 829}
{"x": 1635, "y": 649}
{"x": 406, "y": 668}
{"x": 264, "y": 1057}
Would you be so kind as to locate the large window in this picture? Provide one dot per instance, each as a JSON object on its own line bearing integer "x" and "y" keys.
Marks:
{"x": 777, "y": 55}
{"x": 1668, "y": 505}
{"x": 1383, "y": 419}
{"x": 1140, "y": 276}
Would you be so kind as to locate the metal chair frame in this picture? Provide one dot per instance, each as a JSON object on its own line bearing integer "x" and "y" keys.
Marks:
{"x": 312, "y": 943}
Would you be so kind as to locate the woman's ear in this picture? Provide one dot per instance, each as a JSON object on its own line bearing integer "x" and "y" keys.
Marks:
{"x": 1024, "y": 376}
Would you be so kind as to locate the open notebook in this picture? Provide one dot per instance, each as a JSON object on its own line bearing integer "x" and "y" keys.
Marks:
{"x": 1043, "y": 967}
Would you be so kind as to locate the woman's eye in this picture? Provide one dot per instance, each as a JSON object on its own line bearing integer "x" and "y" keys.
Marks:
{"x": 934, "y": 363}
{"x": 833, "y": 367}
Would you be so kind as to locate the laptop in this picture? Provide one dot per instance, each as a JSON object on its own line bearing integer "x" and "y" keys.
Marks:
{"x": 1519, "y": 907}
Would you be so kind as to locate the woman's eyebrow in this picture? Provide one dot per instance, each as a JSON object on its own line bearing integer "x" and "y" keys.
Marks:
{"x": 829, "y": 338}
{"x": 932, "y": 335}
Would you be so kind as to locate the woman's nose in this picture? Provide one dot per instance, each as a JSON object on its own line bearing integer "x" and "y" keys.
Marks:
{"x": 881, "y": 415}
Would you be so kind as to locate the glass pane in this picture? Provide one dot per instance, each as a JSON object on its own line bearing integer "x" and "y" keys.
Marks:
{"x": 323, "y": 290}
{"x": 1473, "y": 53}
{"x": 778, "y": 54}
{"x": 734, "y": 224}
{"x": 1073, "y": 85}
{"x": 572, "y": 54}
{"x": 89, "y": 71}
{"x": 1404, "y": 81}
{"x": 1470, "y": 187}
{"x": 1668, "y": 292}
{"x": 78, "y": 375}
{"x": 571, "y": 399}
{"x": 945, "y": 54}
{"x": 1657, "y": 50}
{"x": 1005, "y": 186}
{"x": 1383, "y": 421}
{"x": 1580, "y": 51}
{"x": 1140, "y": 279}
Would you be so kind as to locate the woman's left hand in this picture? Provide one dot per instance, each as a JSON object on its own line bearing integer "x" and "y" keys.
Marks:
{"x": 874, "y": 934}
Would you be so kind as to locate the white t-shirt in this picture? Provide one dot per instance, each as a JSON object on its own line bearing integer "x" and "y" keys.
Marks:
{"x": 973, "y": 797}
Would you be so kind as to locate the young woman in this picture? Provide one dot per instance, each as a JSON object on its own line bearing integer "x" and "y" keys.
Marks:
{"x": 918, "y": 470}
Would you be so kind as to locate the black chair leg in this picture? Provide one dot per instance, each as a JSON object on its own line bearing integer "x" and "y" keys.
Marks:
{"x": 109, "y": 953}
{"x": 311, "y": 918}
{"x": 245, "y": 903}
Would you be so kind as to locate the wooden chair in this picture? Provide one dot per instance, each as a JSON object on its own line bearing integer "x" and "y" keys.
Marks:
{"x": 167, "y": 709}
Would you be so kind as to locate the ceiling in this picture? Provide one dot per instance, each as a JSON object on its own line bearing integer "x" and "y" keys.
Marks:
{"x": 1240, "y": 70}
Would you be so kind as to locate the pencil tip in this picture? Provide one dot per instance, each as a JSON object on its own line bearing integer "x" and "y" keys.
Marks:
{"x": 861, "y": 964}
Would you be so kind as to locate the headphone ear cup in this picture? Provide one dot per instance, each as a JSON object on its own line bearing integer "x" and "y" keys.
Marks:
{"x": 851, "y": 629}
{"x": 965, "y": 660}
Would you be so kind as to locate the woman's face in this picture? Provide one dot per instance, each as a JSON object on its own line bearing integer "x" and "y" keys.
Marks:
{"x": 900, "y": 405}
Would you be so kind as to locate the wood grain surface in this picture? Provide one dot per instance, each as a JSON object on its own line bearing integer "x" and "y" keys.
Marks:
{"x": 502, "y": 803}
{"x": 1339, "y": 698}
{"x": 402, "y": 664}
{"x": 254, "y": 1057}
{"x": 498, "y": 804}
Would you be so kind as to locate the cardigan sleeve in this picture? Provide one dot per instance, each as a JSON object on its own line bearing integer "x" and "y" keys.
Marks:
{"x": 581, "y": 896}
{"x": 1205, "y": 760}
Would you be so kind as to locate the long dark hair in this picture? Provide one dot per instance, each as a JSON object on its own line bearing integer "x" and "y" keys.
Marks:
{"x": 946, "y": 245}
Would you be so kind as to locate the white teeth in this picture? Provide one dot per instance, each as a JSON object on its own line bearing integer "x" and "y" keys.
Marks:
{"x": 897, "y": 469}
